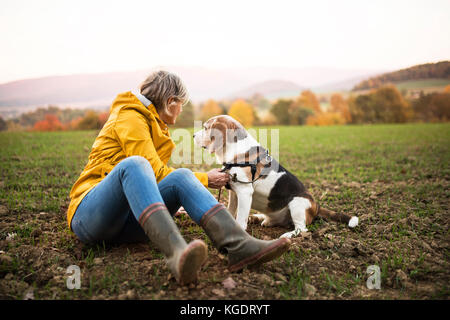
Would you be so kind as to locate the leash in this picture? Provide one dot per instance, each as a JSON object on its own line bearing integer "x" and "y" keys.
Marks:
{"x": 218, "y": 197}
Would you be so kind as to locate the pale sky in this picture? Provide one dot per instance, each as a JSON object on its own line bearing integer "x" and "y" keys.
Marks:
{"x": 56, "y": 37}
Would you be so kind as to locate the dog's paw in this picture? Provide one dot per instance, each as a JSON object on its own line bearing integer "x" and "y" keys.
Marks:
{"x": 289, "y": 235}
{"x": 293, "y": 233}
{"x": 267, "y": 223}
{"x": 256, "y": 218}
{"x": 262, "y": 219}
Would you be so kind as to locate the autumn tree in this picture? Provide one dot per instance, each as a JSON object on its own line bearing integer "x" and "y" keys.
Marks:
{"x": 361, "y": 109}
{"x": 325, "y": 119}
{"x": 90, "y": 121}
{"x": 299, "y": 114}
{"x": 280, "y": 110}
{"x": 73, "y": 124}
{"x": 210, "y": 109}
{"x": 383, "y": 105}
{"x": 432, "y": 107}
{"x": 390, "y": 106}
{"x": 242, "y": 112}
{"x": 65, "y": 116}
{"x": 102, "y": 118}
{"x": 308, "y": 99}
{"x": 50, "y": 123}
{"x": 339, "y": 105}
{"x": 28, "y": 119}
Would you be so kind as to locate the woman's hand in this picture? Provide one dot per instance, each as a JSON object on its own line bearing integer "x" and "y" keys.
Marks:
{"x": 217, "y": 179}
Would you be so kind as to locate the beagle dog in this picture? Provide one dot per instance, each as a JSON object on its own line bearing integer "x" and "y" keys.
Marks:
{"x": 259, "y": 182}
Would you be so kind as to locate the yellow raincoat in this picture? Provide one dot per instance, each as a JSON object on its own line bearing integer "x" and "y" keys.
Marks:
{"x": 131, "y": 129}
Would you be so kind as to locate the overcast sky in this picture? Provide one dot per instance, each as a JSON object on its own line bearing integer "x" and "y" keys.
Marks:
{"x": 46, "y": 37}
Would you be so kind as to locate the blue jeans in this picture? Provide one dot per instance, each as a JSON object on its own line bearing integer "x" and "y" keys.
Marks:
{"x": 111, "y": 210}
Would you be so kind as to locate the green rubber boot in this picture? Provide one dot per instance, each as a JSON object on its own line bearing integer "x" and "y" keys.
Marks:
{"x": 184, "y": 260}
{"x": 243, "y": 250}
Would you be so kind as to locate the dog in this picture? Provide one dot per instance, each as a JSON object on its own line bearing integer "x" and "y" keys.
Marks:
{"x": 259, "y": 182}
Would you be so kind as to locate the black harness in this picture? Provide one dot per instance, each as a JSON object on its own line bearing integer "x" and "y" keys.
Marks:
{"x": 252, "y": 164}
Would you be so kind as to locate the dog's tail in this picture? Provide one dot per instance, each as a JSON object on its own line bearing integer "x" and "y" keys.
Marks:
{"x": 339, "y": 217}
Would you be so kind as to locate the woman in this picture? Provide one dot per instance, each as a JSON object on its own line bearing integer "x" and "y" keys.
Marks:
{"x": 127, "y": 193}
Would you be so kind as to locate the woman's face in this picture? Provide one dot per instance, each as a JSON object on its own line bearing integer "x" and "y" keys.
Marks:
{"x": 175, "y": 107}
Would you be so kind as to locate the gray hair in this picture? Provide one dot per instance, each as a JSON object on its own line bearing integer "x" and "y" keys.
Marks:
{"x": 162, "y": 85}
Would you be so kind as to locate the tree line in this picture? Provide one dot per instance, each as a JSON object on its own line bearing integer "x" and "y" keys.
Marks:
{"x": 382, "y": 105}
{"x": 439, "y": 70}
{"x": 54, "y": 118}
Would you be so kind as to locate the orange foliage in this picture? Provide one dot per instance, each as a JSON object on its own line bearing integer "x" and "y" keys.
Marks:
{"x": 325, "y": 119}
{"x": 50, "y": 123}
{"x": 308, "y": 99}
{"x": 382, "y": 105}
{"x": 339, "y": 105}
{"x": 73, "y": 124}
{"x": 447, "y": 89}
{"x": 210, "y": 109}
{"x": 242, "y": 112}
{"x": 90, "y": 121}
{"x": 103, "y": 117}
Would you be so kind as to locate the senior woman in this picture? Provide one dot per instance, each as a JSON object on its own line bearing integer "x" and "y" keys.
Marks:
{"x": 128, "y": 193}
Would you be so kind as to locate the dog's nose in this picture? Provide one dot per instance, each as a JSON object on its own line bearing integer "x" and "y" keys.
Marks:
{"x": 193, "y": 136}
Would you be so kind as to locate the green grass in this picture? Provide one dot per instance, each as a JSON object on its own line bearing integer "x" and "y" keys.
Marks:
{"x": 418, "y": 84}
{"x": 38, "y": 169}
{"x": 366, "y": 153}
{"x": 394, "y": 177}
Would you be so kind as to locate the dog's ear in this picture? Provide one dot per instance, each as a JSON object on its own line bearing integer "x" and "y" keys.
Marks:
{"x": 217, "y": 135}
{"x": 235, "y": 131}
{"x": 225, "y": 130}
{"x": 234, "y": 135}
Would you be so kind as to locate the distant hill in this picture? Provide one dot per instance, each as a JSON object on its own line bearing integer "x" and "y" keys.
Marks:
{"x": 98, "y": 90}
{"x": 343, "y": 85}
{"x": 68, "y": 89}
{"x": 270, "y": 88}
{"x": 439, "y": 70}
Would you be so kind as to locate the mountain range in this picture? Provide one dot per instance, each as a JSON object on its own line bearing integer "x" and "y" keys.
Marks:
{"x": 98, "y": 90}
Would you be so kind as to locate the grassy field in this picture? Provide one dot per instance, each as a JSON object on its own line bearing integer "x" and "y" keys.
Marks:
{"x": 422, "y": 84}
{"x": 409, "y": 88}
{"x": 395, "y": 178}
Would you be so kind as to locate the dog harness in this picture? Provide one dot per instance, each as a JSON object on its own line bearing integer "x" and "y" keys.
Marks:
{"x": 252, "y": 164}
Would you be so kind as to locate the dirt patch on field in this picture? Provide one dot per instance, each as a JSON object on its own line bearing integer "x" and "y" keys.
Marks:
{"x": 395, "y": 178}
{"x": 328, "y": 262}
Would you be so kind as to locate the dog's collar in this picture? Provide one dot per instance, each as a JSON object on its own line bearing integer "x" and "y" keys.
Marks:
{"x": 252, "y": 164}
